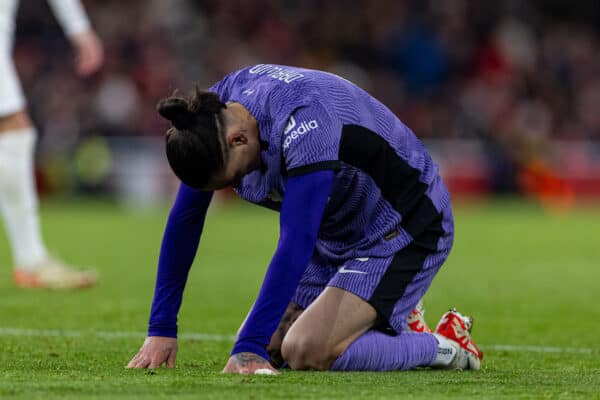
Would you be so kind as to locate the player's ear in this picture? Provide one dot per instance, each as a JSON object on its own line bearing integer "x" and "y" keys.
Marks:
{"x": 236, "y": 138}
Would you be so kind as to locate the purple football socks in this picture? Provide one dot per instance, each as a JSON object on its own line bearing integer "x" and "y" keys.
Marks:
{"x": 376, "y": 351}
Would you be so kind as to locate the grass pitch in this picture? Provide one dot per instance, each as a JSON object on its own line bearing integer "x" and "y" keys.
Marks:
{"x": 530, "y": 279}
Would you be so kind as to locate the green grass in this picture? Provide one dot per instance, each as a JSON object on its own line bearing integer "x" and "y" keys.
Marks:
{"x": 528, "y": 277}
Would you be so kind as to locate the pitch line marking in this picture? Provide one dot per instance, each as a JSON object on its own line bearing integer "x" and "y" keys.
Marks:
{"x": 110, "y": 335}
{"x": 539, "y": 349}
{"x": 106, "y": 334}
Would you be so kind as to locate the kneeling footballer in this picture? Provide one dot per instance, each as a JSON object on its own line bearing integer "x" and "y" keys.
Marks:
{"x": 365, "y": 225}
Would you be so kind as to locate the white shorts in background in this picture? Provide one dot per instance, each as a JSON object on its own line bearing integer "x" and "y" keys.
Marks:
{"x": 11, "y": 94}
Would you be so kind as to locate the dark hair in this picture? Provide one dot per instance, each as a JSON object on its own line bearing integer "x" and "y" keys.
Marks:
{"x": 195, "y": 145}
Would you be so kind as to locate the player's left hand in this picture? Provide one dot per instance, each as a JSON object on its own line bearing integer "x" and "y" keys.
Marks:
{"x": 156, "y": 351}
{"x": 248, "y": 364}
{"x": 89, "y": 54}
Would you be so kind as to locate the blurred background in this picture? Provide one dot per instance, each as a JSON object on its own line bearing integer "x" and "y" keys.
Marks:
{"x": 506, "y": 94}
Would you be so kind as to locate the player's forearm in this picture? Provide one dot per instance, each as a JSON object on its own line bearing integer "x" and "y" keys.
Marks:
{"x": 71, "y": 16}
{"x": 178, "y": 249}
{"x": 282, "y": 278}
{"x": 301, "y": 213}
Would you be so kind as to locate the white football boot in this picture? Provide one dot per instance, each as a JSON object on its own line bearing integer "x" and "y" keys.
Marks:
{"x": 456, "y": 328}
{"x": 54, "y": 274}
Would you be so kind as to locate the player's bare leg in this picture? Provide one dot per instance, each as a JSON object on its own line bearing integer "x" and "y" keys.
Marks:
{"x": 326, "y": 328}
{"x": 34, "y": 268}
{"x": 415, "y": 323}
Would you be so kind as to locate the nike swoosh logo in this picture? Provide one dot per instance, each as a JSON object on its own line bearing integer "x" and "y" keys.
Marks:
{"x": 343, "y": 270}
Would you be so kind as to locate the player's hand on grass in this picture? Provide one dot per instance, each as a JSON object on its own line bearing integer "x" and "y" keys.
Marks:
{"x": 249, "y": 364}
{"x": 89, "y": 54}
{"x": 155, "y": 351}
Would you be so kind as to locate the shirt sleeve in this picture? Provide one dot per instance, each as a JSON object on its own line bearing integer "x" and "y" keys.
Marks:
{"x": 311, "y": 140}
{"x": 71, "y": 16}
{"x": 177, "y": 252}
{"x": 301, "y": 212}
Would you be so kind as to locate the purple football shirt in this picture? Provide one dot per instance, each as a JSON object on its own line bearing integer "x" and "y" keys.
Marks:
{"x": 311, "y": 120}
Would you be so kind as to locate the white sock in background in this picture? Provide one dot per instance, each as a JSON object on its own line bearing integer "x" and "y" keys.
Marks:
{"x": 446, "y": 352}
{"x": 18, "y": 197}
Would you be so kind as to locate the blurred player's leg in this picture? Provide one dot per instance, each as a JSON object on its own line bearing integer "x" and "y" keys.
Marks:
{"x": 18, "y": 197}
{"x": 18, "y": 202}
{"x": 19, "y": 209}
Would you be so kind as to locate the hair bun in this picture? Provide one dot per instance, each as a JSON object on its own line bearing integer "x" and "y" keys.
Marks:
{"x": 176, "y": 110}
{"x": 206, "y": 103}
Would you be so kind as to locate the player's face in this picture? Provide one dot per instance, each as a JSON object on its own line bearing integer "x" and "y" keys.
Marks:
{"x": 243, "y": 148}
{"x": 239, "y": 164}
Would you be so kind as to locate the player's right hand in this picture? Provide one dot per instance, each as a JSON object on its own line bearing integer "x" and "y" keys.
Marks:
{"x": 155, "y": 351}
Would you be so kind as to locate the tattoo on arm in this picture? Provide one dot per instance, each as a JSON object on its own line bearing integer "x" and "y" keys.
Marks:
{"x": 244, "y": 359}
